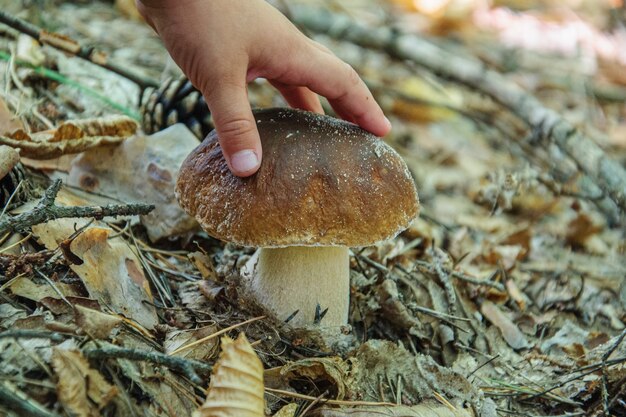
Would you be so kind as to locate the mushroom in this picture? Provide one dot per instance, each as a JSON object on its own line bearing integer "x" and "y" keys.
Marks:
{"x": 324, "y": 185}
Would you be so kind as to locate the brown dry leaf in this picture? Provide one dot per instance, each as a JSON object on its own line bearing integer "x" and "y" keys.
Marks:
{"x": 287, "y": 411}
{"x": 9, "y": 157}
{"x": 62, "y": 163}
{"x": 435, "y": 97}
{"x": 178, "y": 338}
{"x": 142, "y": 168}
{"x": 236, "y": 388}
{"x": 111, "y": 271}
{"x": 332, "y": 371}
{"x": 516, "y": 294}
{"x": 505, "y": 255}
{"x": 580, "y": 229}
{"x": 72, "y": 136}
{"x": 95, "y": 323}
{"x": 510, "y": 332}
{"x": 82, "y": 391}
{"x": 26, "y": 288}
{"x": 8, "y": 121}
{"x": 204, "y": 264}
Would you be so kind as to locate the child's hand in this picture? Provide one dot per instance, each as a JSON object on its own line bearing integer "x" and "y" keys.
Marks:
{"x": 221, "y": 45}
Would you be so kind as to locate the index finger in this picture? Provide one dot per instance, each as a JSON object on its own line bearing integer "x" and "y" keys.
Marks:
{"x": 327, "y": 75}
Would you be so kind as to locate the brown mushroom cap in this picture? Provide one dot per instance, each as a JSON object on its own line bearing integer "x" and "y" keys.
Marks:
{"x": 322, "y": 182}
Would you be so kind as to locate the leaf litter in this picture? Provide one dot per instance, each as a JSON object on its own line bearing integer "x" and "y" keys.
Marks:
{"x": 506, "y": 297}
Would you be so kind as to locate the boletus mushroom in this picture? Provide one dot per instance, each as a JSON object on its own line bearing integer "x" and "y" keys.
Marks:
{"x": 324, "y": 185}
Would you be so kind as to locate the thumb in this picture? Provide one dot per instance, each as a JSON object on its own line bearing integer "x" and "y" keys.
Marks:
{"x": 236, "y": 127}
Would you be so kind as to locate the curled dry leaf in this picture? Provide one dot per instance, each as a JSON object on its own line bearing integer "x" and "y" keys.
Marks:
{"x": 110, "y": 270}
{"x": 330, "y": 372}
{"x": 72, "y": 136}
{"x": 236, "y": 388}
{"x": 82, "y": 391}
{"x": 95, "y": 323}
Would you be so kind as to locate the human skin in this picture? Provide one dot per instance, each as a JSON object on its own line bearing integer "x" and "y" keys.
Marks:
{"x": 222, "y": 45}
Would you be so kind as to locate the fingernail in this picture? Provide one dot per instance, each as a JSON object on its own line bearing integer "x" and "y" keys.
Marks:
{"x": 388, "y": 123}
{"x": 244, "y": 161}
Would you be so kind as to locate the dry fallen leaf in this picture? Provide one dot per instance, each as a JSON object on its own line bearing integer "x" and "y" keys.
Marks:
{"x": 236, "y": 388}
{"x": 8, "y": 121}
{"x": 510, "y": 332}
{"x": 580, "y": 229}
{"x": 72, "y": 136}
{"x": 82, "y": 391}
{"x": 95, "y": 323}
{"x": 26, "y": 288}
{"x": 111, "y": 271}
{"x": 287, "y": 411}
{"x": 176, "y": 339}
{"x": 435, "y": 99}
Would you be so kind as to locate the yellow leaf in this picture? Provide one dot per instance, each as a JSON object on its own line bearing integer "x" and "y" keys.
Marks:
{"x": 83, "y": 391}
{"x": 71, "y": 137}
{"x": 236, "y": 388}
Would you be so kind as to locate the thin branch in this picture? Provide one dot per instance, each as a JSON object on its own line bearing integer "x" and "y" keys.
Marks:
{"x": 70, "y": 46}
{"x": 20, "y": 403}
{"x": 430, "y": 268}
{"x": 32, "y": 334}
{"x": 46, "y": 210}
{"x": 188, "y": 367}
{"x": 608, "y": 174}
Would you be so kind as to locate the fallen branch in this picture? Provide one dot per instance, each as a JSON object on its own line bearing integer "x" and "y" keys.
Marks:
{"x": 18, "y": 402}
{"x": 547, "y": 125}
{"x": 46, "y": 210}
{"x": 70, "y": 46}
{"x": 187, "y": 367}
{"x": 32, "y": 334}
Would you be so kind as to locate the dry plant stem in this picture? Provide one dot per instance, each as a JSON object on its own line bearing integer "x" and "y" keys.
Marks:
{"x": 74, "y": 48}
{"x": 33, "y": 334}
{"x": 188, "y": 367}
{"x": 299, "y": 278}
{"x": 590, "y": 158}
{"x": 46, "y": 210}
{"x": 18, "y": 402}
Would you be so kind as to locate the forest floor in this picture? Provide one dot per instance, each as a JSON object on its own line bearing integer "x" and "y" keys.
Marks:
{"x": 506, "y": 297}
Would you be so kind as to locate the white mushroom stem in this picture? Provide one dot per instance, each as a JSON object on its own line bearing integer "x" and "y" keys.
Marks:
{"x": 301, "y": 277}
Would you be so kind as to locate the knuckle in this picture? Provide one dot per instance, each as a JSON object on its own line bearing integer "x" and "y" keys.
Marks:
{"x": 236, "y": 127}
{"x": 353, "y": 76}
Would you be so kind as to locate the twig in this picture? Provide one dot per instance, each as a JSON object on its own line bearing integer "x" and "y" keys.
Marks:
{"x": 46, "y": 210}
{"x": 329, "y": 402}
{"x": 218, "y": 333}
{"x": 186, "y": 366}
{"x": 70, "y": 46}
{"x": 32, "y": 334}
{"x": 459, "y": 275}
{"x": 439, "y": 257}
{"x": 590, "y": 158}
{"x": 19, "y": 402}
{"x": 55, "y": 76}
{"x": 605, "y": 378}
